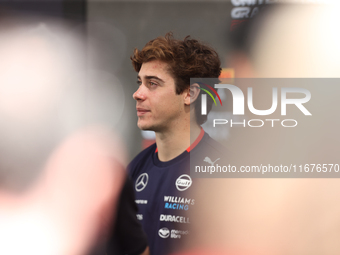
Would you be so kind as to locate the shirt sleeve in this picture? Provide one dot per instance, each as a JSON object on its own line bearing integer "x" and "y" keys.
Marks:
{"x": 127, "y": 236}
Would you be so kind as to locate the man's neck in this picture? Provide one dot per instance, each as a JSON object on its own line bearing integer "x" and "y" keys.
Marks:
{"x": 171, "y": 144}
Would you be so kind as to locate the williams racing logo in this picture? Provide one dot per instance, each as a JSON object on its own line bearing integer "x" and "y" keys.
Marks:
{"x": 178, "y": 203}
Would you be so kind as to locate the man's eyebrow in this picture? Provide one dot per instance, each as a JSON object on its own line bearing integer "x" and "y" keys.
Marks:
{"x": 149, "y": 77}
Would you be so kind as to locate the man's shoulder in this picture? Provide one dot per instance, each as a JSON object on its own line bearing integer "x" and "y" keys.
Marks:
{"x": 207, "y": 156}
{"x": 210, "y": 145}
{"x": 208, "y": 151}
{"x": 213, "y": 144}
{"x": 143, "y": 157}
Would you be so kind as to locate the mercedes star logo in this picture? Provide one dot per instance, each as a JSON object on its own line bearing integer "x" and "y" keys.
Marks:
{"x": 141, "y": 182}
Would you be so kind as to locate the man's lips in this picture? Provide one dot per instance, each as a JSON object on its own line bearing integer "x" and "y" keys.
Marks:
{"x": 141, "y": 111}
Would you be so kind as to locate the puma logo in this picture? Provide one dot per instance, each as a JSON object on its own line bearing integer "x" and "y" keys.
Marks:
{"x": 208, "y": 160}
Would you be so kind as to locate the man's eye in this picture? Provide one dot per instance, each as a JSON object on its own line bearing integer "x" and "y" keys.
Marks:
{"x": 153, "y": 83}
{"x": 139, "y": 82}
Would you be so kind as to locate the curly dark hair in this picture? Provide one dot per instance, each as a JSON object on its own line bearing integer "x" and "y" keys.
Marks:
{"x": 186, "y": 58}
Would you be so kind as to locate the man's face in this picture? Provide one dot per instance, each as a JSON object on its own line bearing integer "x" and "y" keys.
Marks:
{"x": 159, "y": 108}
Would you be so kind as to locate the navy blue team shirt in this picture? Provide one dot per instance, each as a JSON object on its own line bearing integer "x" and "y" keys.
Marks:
{"x": 162, "y": 191}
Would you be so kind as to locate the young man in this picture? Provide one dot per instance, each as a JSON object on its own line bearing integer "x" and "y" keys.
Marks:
{"x": 161, "y": 173}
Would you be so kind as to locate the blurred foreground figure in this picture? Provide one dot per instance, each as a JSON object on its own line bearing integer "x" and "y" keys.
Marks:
{"x": 288, "y": 41}
{"x": 69, "y": 208}
{"x": 57, "y": 191}
{"x": 280, "y": 216}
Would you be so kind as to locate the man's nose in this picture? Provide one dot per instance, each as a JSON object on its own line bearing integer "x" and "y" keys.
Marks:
{"x": 139, "y": 94}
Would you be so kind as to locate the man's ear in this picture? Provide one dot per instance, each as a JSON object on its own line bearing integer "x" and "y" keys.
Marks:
{"x": 192, "y": 94}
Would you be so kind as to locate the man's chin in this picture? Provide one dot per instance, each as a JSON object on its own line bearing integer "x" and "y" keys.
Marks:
{"x": 147, "y": 126}
{"x": 143, "y": 126}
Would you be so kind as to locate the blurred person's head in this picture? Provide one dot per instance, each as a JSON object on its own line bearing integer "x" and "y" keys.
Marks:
{"x": 280, "y": 215}
{"x": 37, "y": 65}
{"x": 180, "y": 60}
{"x": 51, "y": 183}
{"x": 281, "y": 41}
{"x": 71, "y": 205}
